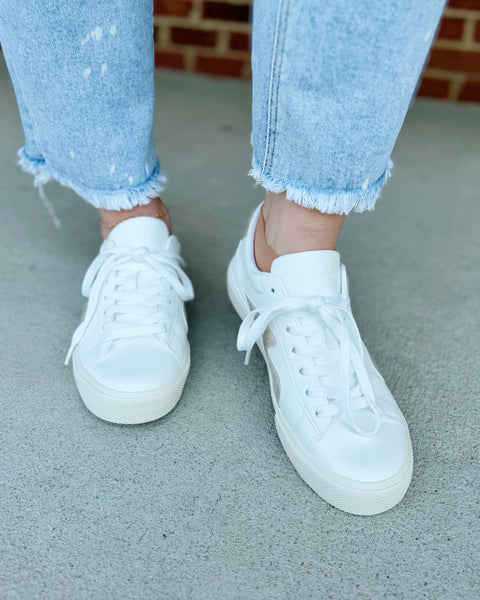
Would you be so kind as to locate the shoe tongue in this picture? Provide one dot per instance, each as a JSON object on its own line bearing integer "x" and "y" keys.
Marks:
{"x": 138, "y": 232}
{"x": 309, "y": 273}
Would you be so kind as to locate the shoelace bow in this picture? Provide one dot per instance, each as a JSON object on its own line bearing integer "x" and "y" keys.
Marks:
{"x": 337, "y": 318}
{"x": 148, "y": 318}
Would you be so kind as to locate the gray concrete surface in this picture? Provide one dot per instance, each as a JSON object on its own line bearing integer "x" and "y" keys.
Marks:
{"x": 204, "y": 504}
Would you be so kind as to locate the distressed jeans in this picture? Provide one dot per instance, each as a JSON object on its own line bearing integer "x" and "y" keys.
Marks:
{"x": 332, "y": 81}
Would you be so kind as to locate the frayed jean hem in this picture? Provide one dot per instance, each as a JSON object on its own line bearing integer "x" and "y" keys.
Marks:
{"x": 327, "y": 201}
{"x": 35, "y": 166}
{"x": 121, "y": 199}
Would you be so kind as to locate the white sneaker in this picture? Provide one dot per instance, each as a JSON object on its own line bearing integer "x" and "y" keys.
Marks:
{"x": 335, "y": 417}
{"x": 131, "y": 354}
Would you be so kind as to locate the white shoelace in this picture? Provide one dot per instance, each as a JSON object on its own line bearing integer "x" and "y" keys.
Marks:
{"x": 334, "y": 314}
{"x": 134, "y": 307}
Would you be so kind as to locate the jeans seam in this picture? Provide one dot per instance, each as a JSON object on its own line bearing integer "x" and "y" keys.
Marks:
{"x": 277, "y": 55}
{"x": 34, "y": 127}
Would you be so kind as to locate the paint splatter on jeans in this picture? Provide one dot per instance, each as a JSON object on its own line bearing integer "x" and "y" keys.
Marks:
{"x": 331, "y": 85}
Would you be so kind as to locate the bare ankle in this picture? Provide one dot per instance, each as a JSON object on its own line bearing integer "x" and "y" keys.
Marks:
{"x": 290, "y": 227}
{"x": 264, "y": 254}
{"x": 110, "y": 218}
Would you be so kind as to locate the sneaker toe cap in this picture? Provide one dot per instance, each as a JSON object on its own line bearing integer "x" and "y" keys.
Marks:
{"x": 365, "y": 458}
{"x": 136, "y": 366}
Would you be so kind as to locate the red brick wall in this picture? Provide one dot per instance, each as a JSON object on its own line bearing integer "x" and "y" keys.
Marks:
{"x": 453, "y": 70}
{"x": 203, "y": 35}
{"x": 212, "y": 36}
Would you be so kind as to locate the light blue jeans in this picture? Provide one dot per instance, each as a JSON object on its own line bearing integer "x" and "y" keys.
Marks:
{"x": 332, "y": 81}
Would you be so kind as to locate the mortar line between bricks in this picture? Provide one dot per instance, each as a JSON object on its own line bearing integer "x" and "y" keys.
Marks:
{"x": 235, "y": 26}
{"x": 469, "y": 32}
{"x": 190, "y": 54}
{"x": 449, "y": 75}
{"x": 457, "y": 44}
{"x": 456, "y": 85}
{"x": 464, "y": 13}
{"x": 223, "y": 42}
{"x": 195, "y": 15}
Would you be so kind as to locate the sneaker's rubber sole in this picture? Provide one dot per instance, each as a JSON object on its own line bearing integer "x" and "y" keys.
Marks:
{"x": 125, "y": 407}
{"x": 355, "y": 497}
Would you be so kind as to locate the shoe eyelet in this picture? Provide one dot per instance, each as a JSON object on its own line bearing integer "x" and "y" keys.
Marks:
{"x": 300, "y": 371}
{"x": 287, "y": 329}
{"x": 294, "y": 350}
{"x": 272, "y": 290}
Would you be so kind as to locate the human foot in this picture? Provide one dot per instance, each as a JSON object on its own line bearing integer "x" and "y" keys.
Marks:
{"x": 130, "y": 354}
{"x": 284, "y": 227}
{"x": 111, "y": 218}
{"x": 334, "y": 414}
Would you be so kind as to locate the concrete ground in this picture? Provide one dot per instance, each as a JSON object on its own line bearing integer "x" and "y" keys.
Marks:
{"x": 204, "y": 504}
